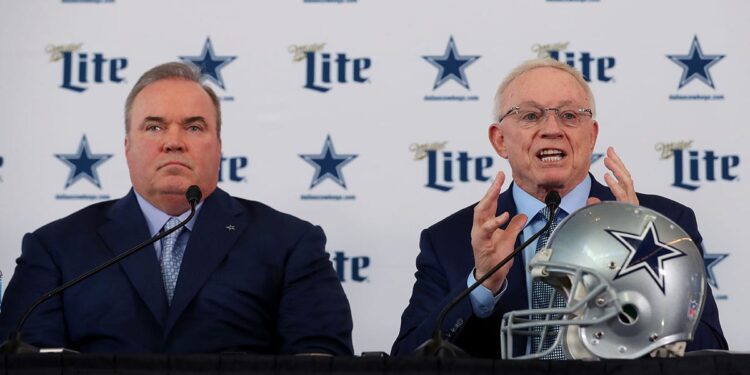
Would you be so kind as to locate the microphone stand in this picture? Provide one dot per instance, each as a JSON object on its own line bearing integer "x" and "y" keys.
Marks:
{"x": 15, "y": 344}
{"x": 437, "y": 346}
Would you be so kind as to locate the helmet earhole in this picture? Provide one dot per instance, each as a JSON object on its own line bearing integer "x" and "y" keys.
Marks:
{"x": 629, "y": 314}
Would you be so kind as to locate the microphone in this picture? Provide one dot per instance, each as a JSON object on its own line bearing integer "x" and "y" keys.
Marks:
{"x": 436, "y": 346}
{"x": 14, "y": 344}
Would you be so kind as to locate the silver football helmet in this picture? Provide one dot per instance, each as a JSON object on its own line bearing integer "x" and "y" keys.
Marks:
{"x": 633, "y": 280}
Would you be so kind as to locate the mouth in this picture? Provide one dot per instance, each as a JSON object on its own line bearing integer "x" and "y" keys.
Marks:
{"x": 174, "y": 164}
{"x": 550, "y": 155}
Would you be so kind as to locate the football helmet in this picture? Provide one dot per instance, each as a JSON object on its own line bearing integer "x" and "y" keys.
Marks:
{"x": 633, "y": 281}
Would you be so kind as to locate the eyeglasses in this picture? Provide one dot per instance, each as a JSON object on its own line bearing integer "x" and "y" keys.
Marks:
{"x": 531, "y": 116}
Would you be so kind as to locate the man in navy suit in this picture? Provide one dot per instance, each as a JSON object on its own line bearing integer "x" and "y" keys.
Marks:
{"x": 240, "y": 277}
{"x": 545, "y": 127}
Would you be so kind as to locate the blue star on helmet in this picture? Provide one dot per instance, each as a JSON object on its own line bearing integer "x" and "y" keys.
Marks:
{"x": 710, "y": 261}
{"x": 83, "y": 164}
{"x": 451, "y": 65}
{"x": 695, "y": 64}
{"x": 646, "y": 252}
{"x": 328, "y": 164}
{"x": 209, "y": 63}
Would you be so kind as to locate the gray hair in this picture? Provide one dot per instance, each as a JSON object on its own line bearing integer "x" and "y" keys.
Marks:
{"x": 545, "y": 62}
{"x": 171, "y": 70}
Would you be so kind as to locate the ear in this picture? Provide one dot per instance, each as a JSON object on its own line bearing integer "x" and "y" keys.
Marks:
{"x": 497, "y": 138}
{"x": 594, "y": 134}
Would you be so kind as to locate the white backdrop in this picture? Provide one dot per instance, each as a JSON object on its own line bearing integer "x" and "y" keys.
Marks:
{"x": 387, "y": 102}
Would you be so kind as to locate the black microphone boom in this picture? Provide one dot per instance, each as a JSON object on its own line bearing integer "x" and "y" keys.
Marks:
{"x": 436, "y": 346}
{"x": 14, "y": 344}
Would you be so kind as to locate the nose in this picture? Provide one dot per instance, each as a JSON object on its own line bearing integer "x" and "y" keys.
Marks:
{"x": 551, "y": 126}
{"x": 173, "y": 140}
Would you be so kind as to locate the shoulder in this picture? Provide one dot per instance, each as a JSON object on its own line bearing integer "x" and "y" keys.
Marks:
{"x": 460, "y": 220}
{"x": 668, "y": 207}
{"x": 672, "y": 209}
{"x": 85, "y": 219}
{"x": 261, "y": 215}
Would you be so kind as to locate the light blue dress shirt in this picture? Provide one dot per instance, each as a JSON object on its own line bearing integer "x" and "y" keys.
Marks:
{"x": 482, "y": 300}
{"x": 156, "y": 219}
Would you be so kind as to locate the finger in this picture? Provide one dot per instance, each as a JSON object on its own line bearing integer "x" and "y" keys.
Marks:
{"x": 511, "y": 232}
{"x": 593, "y": 200}
{"x": 622, "y": 181}
{"x": 516, "y": 225}
{"x": 487, "y": 207}
{"x": 615, "y": 164}
{"x": 490, "y": 226}
{"x": 615, "y": 187}
{"x": 620, "y": 193}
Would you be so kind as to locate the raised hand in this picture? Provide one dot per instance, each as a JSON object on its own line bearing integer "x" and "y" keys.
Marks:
{"x": 490, "y": 243}
{"x": 621, "y": 184}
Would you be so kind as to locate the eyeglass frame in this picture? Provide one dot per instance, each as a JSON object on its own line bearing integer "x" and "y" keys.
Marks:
{"x": 557, "y": 112}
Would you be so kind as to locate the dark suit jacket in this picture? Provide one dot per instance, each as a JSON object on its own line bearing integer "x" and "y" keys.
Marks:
{"x": 446, "y": 258}
{"x": 266, "y": 286}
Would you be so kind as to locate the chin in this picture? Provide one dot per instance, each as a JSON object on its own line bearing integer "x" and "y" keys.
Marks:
{"x": 553, "y": 179}
{"x": 174, "y": 187}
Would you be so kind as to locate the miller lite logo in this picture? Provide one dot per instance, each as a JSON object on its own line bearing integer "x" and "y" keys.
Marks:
{"x": 445, "y": 168}
{"x": 592, "y": 67}
{"x": 81, "y": 69}
{"x": 324, "y": 70}
{"x": 694, "y": 167}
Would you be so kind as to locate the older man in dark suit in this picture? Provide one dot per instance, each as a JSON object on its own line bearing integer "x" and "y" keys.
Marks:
{"x": 545, "y": 128}
{"x": 239, "y": 277}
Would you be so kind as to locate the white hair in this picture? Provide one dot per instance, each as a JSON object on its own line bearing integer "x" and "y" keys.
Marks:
{"x": 528, "y": 65}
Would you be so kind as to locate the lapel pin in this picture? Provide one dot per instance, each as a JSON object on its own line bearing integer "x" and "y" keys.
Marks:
{"x": 230, "y": 227}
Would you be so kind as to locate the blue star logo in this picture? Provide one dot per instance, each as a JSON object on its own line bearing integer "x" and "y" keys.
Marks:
{"x": 695, "y": 64}
{"x": 83, "y": 164}
{"x": 646, "y": 252}
{"x": 328, "y": 164}
{"x": 451, "y": 65}
{"x": 710, "y": 261}
{"x": 209, "y": 63}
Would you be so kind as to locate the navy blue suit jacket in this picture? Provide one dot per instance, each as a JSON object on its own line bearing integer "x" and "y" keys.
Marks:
{"x": 446, "y": 258}
{"x": 265, "y": 286}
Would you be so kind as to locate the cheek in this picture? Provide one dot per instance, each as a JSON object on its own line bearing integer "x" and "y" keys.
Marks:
{"x": 211, "y": 156}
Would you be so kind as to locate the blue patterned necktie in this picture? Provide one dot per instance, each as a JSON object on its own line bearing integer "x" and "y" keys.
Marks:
{"x": 171, "y": 258}
{"x": 541, "y": 294}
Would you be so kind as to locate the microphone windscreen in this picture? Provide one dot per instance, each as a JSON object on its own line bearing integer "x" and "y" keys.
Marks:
{"x": 193, "y": 194}
{"x": 552, "y": 198}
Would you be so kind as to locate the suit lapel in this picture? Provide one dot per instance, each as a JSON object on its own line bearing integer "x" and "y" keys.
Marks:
{"x": 216, "y": 229}
{"x": 505, "y": 203}
{"x": 126, "y": 228}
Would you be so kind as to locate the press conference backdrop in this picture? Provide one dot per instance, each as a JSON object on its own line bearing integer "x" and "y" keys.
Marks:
{"x": 369, "y": 117}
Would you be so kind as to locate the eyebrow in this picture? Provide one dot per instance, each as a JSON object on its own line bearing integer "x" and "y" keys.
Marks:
{"x": 161, "y": 120}
{"x": 193, "y": 119}
{"x": 153, "y": 119}
{"x": 535, "y": 104}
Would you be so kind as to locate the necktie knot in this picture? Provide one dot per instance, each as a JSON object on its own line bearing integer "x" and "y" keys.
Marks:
{"x": 171, "y": 223}
{"x": 543, "y": 216}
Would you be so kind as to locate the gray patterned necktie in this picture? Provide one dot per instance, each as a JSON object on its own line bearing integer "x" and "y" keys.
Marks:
{"x": 541, "y": 295}
{"x": 171, "y": 258}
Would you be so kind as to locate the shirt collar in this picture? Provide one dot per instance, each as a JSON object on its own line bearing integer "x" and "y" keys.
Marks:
{"x": 528, "y": 205}
{"x": 155, "y": 218}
